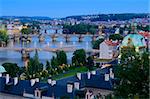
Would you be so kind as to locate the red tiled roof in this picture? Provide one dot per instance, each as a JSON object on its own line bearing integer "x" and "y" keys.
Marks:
{"x": 111, "y": 43}
{"x": 145, "y": 34}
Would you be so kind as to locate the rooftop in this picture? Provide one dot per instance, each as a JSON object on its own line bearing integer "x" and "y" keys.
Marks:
{"x": 134, "y": 39}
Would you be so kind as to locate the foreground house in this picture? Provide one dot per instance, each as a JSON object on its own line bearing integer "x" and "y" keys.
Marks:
{"x": 82, "y": 85}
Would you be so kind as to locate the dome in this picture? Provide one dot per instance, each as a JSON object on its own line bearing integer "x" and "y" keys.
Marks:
{"x": 135, "y": 40}
{"x": 2, "y": 69}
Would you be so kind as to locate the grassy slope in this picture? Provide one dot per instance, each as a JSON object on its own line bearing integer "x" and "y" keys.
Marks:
{"x": 70, "y": 73}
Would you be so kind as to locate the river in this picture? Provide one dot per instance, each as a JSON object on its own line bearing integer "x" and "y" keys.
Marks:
{"x": 15, "y": 57}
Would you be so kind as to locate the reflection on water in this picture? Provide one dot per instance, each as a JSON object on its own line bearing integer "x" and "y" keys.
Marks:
{"x": 15, "y": 57}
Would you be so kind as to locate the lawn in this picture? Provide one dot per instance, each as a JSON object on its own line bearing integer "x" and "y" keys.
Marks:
{"x": 102, "y": 60}
{"x": 69, "y": 73}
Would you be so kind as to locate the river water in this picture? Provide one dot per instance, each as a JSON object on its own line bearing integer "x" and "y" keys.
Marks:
{"x": 15, "y": 57}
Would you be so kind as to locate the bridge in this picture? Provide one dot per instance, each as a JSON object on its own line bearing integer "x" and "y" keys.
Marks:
{"x": 25, "y": 51}
{"x": 53, "y": 36}
{"x": 66, "y": 49}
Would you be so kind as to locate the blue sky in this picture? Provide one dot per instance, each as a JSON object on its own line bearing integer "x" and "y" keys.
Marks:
{"x": 62, "y": 8}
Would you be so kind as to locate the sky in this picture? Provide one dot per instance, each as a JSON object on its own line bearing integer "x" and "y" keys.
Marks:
{"x": 63, "y": 8}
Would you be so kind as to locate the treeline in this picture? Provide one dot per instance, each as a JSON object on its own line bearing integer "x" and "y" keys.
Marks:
{"x": 106, "y": 17}
{"x": 79, "y": 29}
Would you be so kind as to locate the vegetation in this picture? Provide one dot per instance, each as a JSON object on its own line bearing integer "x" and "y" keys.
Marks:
{"x": 26, "y": 31}
{"x": 106, "y": 17}
{"x": 12, "y": 69}
{"x": 57, "y": 68}
{"x": 79, "y": 29}
{"x": 71, "y": 72}
{"x": 3, "y": 37}
{"x": 90, "y": 63}
{"x": 61, "y": 57}
{"x": 116, "y": 37}
{"x": 144, "y": 28}
{"x": 34, "y": 67}
{"x": 79, "y": 57}
{"x": 132, "y": 75}
{"x": 95, "y": 44}
{"x": 54, "y": 62}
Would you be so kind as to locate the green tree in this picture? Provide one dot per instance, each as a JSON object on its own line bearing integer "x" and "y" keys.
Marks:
{"x": 90, "y": 63}
{"x": 79, "y": 57}
{"x": 54, "y": 62}
{"x": 116, "y": 37}
{"x": 26, "y": 31}
{"x": 80, "y": 28}
{"x": 34, "y": 67}
{"x": 61, "y": 57}
{"x": 132, "y": 75}
{"x": 48, "y": 65}
{"x": 12, "y": 69}
{"x": 3, "y": 36}
{"x": 95, "y": 44}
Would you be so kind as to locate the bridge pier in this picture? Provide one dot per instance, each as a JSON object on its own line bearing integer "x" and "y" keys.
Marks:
{"x": 80, "y": 38}
{"x": 53, "y": 38}
{"x": 56, "y": 31}
{"x": 41, "y": 38}
{"x": 25, "y": 38}
{"x": 25, "y": 54}
{"x": 29, "y": 39}
{"x": 67, "y": 38}
{"x": 45, "y": 31}
{"x": 16, "y": 38}
{"x": 94, "y": 38}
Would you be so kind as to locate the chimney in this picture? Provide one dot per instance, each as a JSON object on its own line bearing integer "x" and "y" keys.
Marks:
{"x": 111, "y": 73}
{"x": 89, "y": 75}
{"x": 69, "y": 87}
{"x": 79, "y": 76}
{"x": 15, "y": 80}
{"x": 93, "y": 72}
{"x": 76, "y": 85}
{"x": 0, "y": 74}
{"x": 7, "y": 78}
{"x": 37, "y": 80}
{"x": 106, "y": 77}
{"x": 32, "y": 82}
{"x": 53, "y": 82}
{"x": 49, "y": 81}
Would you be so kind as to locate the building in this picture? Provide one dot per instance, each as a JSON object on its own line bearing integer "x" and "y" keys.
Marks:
{"x": 108, "y": 49}
{"x": 2, "y": 70}
{"x": 70, "y": 87}
{"x": 134, "y": 40}
{"x": 14, "y": 27}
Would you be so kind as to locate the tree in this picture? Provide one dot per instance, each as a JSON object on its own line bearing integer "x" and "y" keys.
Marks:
{"x": 95, "y": 44}
{"x": 54, "y": 62}
{"x": 48, "y": 65}
{"x": 116, "y": 37}
{"x": 79, "y": 57}
{"x": 3, "y": 36}
{"x": 34, "y": 67}
{"x": 12, "y": 69}
{"x": 90, "y": 63}
{"x": 26, "y": 31}
{"x": 132, "y": 75}
{"x": 61, "y": 57}
{"x": 80, "y": 28}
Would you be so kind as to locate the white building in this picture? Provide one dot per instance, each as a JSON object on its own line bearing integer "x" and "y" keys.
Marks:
{"x": 108, "y": 49}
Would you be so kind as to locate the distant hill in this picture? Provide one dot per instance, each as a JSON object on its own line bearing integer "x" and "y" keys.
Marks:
{"x": 106, "y": 17}
{"x": 26, "y": 17}
{"x": 94, "y": 17}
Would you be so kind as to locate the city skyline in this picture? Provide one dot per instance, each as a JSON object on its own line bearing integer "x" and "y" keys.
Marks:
{"x": 63, "y": 8}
